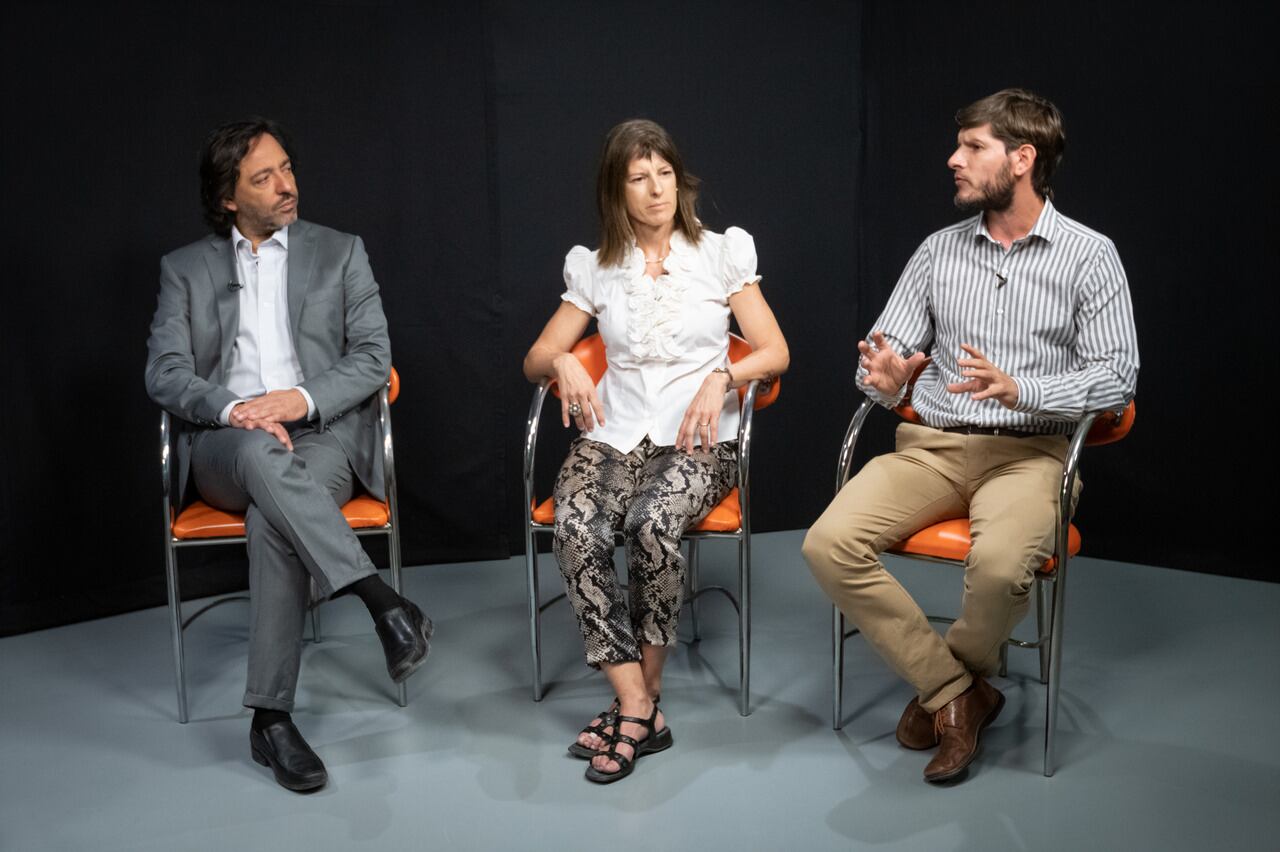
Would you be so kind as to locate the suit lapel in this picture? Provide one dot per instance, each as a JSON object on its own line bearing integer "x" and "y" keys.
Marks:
{"x": 222, "y": 270}
{"x": 302, "y": 259}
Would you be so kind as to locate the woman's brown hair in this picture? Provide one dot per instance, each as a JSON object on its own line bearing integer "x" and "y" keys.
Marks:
{"x": 630, "y": 140}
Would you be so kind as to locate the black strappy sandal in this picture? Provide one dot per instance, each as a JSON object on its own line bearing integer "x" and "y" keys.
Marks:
{"x": 608, "y": 719}
{"x": 656, "y": 741}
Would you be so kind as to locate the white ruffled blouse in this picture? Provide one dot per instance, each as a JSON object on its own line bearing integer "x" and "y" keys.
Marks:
{"x": 662, "y": 337}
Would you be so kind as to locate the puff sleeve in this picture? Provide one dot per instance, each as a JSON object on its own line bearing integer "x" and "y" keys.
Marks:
{"x": 579, "y": 280}
{"x": 738, "y": 261}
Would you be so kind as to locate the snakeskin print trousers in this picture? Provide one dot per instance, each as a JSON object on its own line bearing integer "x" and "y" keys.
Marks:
{"x": 652, "y": 494}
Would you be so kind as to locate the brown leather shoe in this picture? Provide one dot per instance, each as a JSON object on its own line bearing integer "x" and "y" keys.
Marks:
{"x": 915, "y": 728}
{"x": 958, "y": 723}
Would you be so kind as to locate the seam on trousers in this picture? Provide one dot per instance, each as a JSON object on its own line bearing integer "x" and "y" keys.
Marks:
{"x": 909, "y": 524}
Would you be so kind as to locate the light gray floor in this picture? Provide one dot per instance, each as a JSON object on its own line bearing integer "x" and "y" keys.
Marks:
{"x": 1166, "y": 737}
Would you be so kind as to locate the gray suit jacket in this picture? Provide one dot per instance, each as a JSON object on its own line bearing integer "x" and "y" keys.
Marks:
{"x": 339, "y": 333}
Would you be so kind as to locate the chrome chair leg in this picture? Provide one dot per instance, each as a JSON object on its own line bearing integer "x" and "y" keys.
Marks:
{"x": 175, "y": 627}
{"x": 837, "y": 668}
{"x": 693, "y": 589}
{"x": 397, "y": 585}
{"x": 1043, "y": 588}
{"x": 535, "y": 610}
{"x": 315, "y": 612}
{"x": 744, "y": 624}
{"x": 1055, "y": 670}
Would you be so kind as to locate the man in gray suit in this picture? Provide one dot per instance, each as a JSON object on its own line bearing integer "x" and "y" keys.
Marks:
{"x": 269, "y": 342}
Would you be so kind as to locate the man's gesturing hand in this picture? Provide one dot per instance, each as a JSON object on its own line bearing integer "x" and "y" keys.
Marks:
{"x": 886, "y": 369}
{"x": 984, "y": 380}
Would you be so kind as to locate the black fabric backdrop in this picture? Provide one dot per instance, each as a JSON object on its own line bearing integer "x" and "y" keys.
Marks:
{"x": 460, "y": 141}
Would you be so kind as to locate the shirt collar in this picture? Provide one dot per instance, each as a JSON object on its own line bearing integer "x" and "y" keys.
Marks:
{"x": 680, "y": 249}
{"x": 280, "y": 237}
{"x": 1046, "y": 226}
{"x": 680, "y": 245}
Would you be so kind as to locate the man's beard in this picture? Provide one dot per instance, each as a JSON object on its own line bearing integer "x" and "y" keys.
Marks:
{"x": 996, "y": 194}
{"x": 273, "y": 221}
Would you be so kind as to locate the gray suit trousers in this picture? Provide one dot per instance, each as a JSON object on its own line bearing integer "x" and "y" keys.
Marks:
{"x": 295, "y": 532}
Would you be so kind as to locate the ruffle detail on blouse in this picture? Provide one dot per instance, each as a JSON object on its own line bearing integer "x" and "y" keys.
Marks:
{"x": 655, "y": 316}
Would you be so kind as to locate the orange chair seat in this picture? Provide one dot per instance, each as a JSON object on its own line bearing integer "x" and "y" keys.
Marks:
{"x": 200, "y": 520}
{"x": 950, "y": 540}
{"x": 725, "y": 517}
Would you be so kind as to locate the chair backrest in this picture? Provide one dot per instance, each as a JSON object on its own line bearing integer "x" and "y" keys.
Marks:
{"x": 768, "y": 392}
{"x": 590, "y": 352}
{"x": 905, "y": 411}
{"x": 393, "y": 386}
{"x": 1112, "y": 426}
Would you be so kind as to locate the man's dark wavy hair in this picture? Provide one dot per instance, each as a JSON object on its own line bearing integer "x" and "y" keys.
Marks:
{"x": 1019, "y": 117}
{"x": 224, "y": 148}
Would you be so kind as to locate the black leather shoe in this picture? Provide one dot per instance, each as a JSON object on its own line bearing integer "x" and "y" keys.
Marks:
{"x": 295, "y": 765}
{"x": 405, "y": 633}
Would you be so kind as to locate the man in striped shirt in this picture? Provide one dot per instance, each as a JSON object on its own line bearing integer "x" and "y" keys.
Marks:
{"x": 1021, "y": 321}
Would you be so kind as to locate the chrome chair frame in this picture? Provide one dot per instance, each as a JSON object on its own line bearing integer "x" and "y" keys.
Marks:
{"x": 1050, "y": 589}
{"x": 177, "y": 625}
{"x": 741, "y": 603}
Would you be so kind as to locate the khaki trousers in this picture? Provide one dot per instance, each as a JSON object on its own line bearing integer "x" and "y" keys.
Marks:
{"x": 1009, "y": 489}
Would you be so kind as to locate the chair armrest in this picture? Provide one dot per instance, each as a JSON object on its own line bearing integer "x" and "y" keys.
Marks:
{"x": 1092, "y": 429}
{"x": 748, "y": 398}
{"x": 531, "y": 442}
{"x": 386, "y": 395}
{"x": 850, "y": 442}
{"x": 166, "y": 469}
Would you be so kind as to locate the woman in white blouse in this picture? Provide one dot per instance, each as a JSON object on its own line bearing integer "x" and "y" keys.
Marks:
{"x": 650, "y": 459}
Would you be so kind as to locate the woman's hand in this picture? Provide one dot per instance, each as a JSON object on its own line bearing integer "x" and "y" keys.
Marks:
{"x": 577, "y": 389}
{"x": 550, "y": 358}
{"x": 702, "y": 418}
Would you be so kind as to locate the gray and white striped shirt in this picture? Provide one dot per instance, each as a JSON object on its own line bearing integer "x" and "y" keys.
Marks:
{"x": 1053, "y": 312}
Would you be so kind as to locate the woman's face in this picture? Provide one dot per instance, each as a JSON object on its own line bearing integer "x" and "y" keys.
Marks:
{"x": 651, "y": 192}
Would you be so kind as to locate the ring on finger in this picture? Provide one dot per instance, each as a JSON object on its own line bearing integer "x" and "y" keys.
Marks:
{"x": 575, "y": 410}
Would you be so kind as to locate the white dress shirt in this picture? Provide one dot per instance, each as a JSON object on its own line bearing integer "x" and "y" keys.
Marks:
{"x": 263, "y": 358}
{"x": 661, "y": 337}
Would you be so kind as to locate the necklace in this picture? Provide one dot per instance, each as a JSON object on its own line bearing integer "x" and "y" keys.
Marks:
{"x": 648, "y": 259}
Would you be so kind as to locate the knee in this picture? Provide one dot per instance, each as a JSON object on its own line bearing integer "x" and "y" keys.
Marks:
{"x": 576, "y": 540}
{"x": 994, "y": 571}
{"x": 833, "y": 548}
{"x": 259, "y": 455}
{"x": 649, "y": 528}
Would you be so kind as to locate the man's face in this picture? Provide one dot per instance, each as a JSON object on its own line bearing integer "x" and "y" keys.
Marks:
{"x": 266, "y": 194}
{"x": 983, "y": 171}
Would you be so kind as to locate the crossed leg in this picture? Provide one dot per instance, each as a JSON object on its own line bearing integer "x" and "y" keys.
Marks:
{"x": 295, "y": 531}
